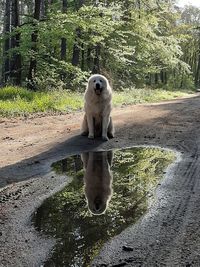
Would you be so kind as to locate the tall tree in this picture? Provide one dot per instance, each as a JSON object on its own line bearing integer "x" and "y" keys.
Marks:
{"x": 77, "y": 44}
{"x": 6, "y": 32}
{"x": 190, "y": 26}
{"x": 96, "y": 67}
{"x": 136, "y": 41}
{"x": 76, "y": 48}
{"x": 197, "y": 74}
{"x": 15, "y": 68}
{"x": 63, "y": 51}
{"x": 34, "y": 38}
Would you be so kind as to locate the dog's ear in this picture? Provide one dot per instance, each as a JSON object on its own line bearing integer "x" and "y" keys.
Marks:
{"x": 108, "y": 76}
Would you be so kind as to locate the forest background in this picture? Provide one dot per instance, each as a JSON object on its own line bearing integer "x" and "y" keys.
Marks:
{"x": 49, "y": 48}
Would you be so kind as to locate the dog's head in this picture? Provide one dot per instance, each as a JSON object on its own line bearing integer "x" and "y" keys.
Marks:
{"x": 98, "y": 204}
{"x": 98, "y": 83}
{"x": 98, "y": 180}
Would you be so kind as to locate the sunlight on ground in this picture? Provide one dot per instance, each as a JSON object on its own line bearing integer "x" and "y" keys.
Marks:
{"x": 19, "y": 101}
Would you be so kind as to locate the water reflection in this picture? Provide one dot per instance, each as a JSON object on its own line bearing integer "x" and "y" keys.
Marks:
{"x": 79, "y": 233}
{"x": 97, "y": 180}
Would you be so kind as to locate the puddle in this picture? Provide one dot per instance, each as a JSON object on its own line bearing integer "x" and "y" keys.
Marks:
{"x": 109, "y": 191}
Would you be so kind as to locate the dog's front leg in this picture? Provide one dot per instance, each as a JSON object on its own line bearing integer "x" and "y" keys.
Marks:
{"x": 84, "y": 128}
{"x": 90, "y": 126}
{"x": 105, "y": 123}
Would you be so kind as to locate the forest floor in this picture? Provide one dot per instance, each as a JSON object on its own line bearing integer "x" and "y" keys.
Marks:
{"x": 168, "y": 235}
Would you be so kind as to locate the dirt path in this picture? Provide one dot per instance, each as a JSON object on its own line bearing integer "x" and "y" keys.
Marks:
{"x": 29, "y": 146}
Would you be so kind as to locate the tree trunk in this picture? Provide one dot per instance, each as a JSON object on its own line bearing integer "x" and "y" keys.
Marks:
{"x": 44, "y": 8}
{"x": 82, "y": 56}
{"x": 64, "y": 165}
{"x": 156, "y": 78}
{"x": 63, "y": 52}
{"x": 15, "y": 67}
{"x": 78, "y": 163}
{"x": 34, "y": 37}
{"x": 181, "y": 84}
{"x": 197, "y": 74}
{"x": 6, "y": 65}
{"x": 139, "y": 7}
{"x": 96, "y": 67}
{"x": 150, "y": 79}
{"x": 127, "y": 12}
{"x": 89, "y": 58}
{"x": 76, "y": 49}
{"x": 162, "y": 76}
{"x": 165, "y": 77}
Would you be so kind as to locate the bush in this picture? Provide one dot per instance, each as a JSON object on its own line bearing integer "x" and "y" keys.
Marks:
{"x": 180, "y": 81}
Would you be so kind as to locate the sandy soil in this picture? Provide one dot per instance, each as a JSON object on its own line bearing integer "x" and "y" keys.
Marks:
{"x": 30, "y": 145}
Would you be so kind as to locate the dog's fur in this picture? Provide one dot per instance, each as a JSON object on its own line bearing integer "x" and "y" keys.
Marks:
{"x": 98, "y": 104}
{"x": 97, "y": 180}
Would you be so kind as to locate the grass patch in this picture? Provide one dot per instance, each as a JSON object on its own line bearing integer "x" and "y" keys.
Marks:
{"x": 137, "y": 96}
{"x": 19, "y": 101}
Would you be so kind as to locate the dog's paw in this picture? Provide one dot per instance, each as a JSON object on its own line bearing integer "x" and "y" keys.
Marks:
{"x": 90, "y": 136}
{"x": 111, "y": 135}
{"x": 84, "y": 133}
{"x": 105, "y": 138}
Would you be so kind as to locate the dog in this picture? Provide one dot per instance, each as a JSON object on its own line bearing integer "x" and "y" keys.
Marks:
{"x": 97, "y": 180}
{"x": 98, "y": 104}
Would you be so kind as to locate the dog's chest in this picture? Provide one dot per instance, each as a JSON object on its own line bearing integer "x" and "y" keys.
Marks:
{"x": 98, "y": 107}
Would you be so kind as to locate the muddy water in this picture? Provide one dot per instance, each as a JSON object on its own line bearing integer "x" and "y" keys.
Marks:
{"x": 109, "y": 191}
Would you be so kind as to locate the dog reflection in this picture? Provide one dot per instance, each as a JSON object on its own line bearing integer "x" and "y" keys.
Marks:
{"x": 98, "y": 180}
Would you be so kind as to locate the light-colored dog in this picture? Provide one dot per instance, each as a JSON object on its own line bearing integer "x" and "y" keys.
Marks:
{"x": 98, "y": 104}
{"x": 97, "y": 180}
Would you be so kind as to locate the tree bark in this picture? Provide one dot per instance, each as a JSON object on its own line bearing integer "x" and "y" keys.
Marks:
{"x": 6, "y": 65}
{"x": 44, "y": 8}
{"x": 34, "y": 37}
{"x": 15, "y": 68}
{"x": 76, "y": 49}
{"x": 156, "y": 78}
{"x": 63, "y": 52}
{"x": 165, "y": 77}
{"x": 89, "y": 57}
{"x": 162, "y": 76}
{"x": 96, "y": 67}
{"x": 82, "y": 56}
{"x": 197, "y": 74}
{"x": 139, "y": 7}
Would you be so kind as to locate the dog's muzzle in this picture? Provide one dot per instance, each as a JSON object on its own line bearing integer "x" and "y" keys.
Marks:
{"x": 98, "y": 88}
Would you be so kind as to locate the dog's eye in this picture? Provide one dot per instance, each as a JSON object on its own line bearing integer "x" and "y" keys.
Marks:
{"x": 101, "y": 81}
{"x": 94, "y": 81}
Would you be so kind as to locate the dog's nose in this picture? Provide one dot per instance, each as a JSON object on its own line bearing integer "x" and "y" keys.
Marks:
{"x": 97, "y": 203}
{"x": 98, "y": 86}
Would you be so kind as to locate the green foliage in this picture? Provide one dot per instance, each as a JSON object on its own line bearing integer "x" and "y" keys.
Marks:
{"x": 189, "y": 31}
{"x": 147, "y": 95}
{"x": 80, "y": 235}
{"x": 180, "y": 80}
{"x": 12, "y": 93}
{"x": 137, "y": 41}
{"x": 20, "y": 101}
{"x": 49, "y": 78}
